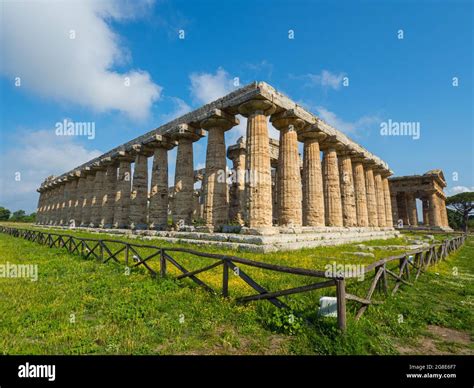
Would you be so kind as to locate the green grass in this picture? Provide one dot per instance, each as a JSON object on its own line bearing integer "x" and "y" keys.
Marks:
{"x": 116, "y": 313}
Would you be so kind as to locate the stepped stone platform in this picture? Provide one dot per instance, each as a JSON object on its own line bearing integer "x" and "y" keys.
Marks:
{"x": 282, "y": 239}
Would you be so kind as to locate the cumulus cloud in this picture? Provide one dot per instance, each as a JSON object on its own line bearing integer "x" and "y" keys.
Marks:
{"x": 325, "y": 79}
{"x": 346, "y": 126}
{"x": 37, "y": 155}
{"x": 458, "y": 189}
{"x": 67, "y": 51}
{"x": 207, "y": 87}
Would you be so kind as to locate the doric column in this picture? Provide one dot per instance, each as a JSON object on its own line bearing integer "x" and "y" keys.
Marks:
{"x": 349, "y": 214}
{"x": 158, "y": 209}
{"x": 97, "y": 194}
{"x": 64, "y": 202}
{"x": 237, "y": 153}
{"x": 184, "y": 174}
{"x": 258, "y": 185}
{"x": 360, "y": 191}
{"x": 371, "y": 194}
{"x": 80, "y": 193}
{"x": 444, "y": 212}
{"x": 139, "y": 193}
{"x": 58, "y": 202}
{"x": 435, "y": 214}
{"x": 403, "y": 208}
{"x": 71, "y": 221}
{"x": 289, "y": 190}
{"x": 216, "y": 206}
{"x": 411, "y": 209}
{"x": 380, "y": 199}
{"x": 122, "y": 194}
{"x": 395, "y": 211}
{"x": 47, "y": 205}
{"x": 331, "y": 184}
{"x": 387, "y": 200}
{"x": 108, "y": 195}
{"x": 52, "y": 204}
{"x": 86, "y": 211}
{"x": 39, "y": 210}
{"x": 426, "y": 209}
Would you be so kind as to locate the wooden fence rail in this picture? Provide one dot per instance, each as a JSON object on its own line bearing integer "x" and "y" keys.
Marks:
{"x": 102, "y": 250}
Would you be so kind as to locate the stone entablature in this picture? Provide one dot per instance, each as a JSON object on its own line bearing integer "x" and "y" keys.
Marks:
{"x": 347, "y": 187}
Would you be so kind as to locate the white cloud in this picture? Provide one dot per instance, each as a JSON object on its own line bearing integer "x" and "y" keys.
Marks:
{"x": 207, "y": 87}
{"x": 36, "y": 46}
{"x": 346, "y": 126}
{"x": 326, "y": 79}
{"x": 37, "y": 155}
{"x": 458, "y": 189}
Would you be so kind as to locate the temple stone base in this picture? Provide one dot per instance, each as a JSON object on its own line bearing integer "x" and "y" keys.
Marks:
{"x": 282, "y": 239}
{"x": 426, "y": 228}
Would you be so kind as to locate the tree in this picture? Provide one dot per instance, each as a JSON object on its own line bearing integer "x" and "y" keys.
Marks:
{"x": 18, "y": 215}
{"x": 463, "y": 205}
{"x": 4, "y": 214}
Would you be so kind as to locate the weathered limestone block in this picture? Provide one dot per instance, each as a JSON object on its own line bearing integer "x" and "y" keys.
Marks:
{"x": 332, "y": 190}
{"x": 380, "y": 199}
{"x": 139, "y": 193}
{"x": 122, "y": 195}
{"x": 360, "y": 194}
{"x": 411, "y": 209}
{"x": 388, "y": 202}
{"x": 216, "y": 207}
{"x": 96, "y": 200}
{"x": 289, "y": 192}
{"x": 86, "y": 212}
{"x": 258, "y": 185}
{"x": 108, "y": 197}
{"x": 371, "y": 196}
{"x": 158, "y": 210}
{"x": 349, "y": 215}
{"x": 237, "y": 188}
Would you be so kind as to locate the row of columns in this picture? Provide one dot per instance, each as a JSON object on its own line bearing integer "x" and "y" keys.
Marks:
{"x": 433, "y": 209}
{"x": 343, "y": 189}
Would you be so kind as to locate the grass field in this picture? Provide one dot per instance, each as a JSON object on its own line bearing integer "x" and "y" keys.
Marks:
{"x": 81, "y": 306}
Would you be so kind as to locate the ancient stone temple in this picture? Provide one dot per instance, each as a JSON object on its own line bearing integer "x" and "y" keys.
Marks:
{"x": 428, "y": 188}
{"x": 271, "y": 197}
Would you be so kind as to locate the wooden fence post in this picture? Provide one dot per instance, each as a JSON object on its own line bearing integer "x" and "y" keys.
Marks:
{"x": 341, "y": 304}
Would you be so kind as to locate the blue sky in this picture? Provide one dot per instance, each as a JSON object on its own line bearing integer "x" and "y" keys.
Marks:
{"x": 81, "y": 78}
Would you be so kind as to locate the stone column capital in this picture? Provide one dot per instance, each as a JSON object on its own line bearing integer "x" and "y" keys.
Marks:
{"x": 185, "y": 131}
{"x": 257, "y": 106}
{"x": 217, "y": 118}
{"x": 331, "y": 143}
{"x": 235, "y": 150}
{"x": 310, "y": 132}
{"x": 160, "y": 141}
{"x": 287, "y": 119}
